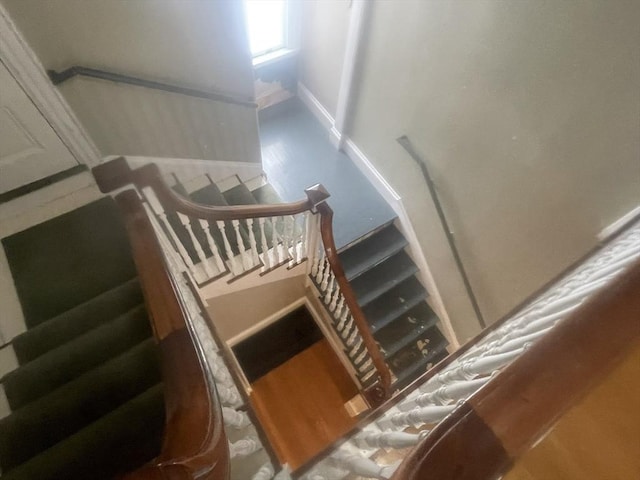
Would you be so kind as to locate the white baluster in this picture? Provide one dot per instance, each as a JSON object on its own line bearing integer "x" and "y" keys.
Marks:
{"x": 369, "y": 439}
{"x": 229, "y": 395}
{"x": 196, "y": 244}
{"x": 306, "y": 237}
{"x": 315, "y": 245}
{"x": 444, "y": 394}
{"x": 330, "y": 286}
{"x": 244, "y": 447}
{"x": 234, "y": 418}
{"x": 288, "y": 238}
{"x": 325, "y": 278}
{"x": 252, "y": 242}
{"x": 265, "y": 472}
{"x": 206, "y": 227}
{"x": 246, "y": 259}
{"x": 337, "y": 294}
{"x": 156, "y": 206}
{"x": 264, "y": 245}
{"x": 363, "y": 466}
{"x": 235, "y": 268}
{"x": 274, "y": 241}
{"x": 416, "y": 417}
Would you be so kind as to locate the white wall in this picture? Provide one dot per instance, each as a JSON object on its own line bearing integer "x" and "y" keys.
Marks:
{"x": 528, "y": 114}
{"x": 194, "y": 44}
{"x": 324, "y": 26}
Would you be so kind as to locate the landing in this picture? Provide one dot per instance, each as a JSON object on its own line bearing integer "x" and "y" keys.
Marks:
{"x": 297, "y": 153}
{"x": 300, "y": 404}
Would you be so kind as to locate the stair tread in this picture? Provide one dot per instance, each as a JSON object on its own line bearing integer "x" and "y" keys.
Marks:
{"x": 373, "y": 250}
{"x": 383, "y": 277}
{"x": 132, "y": 434}
{"x": 410, "y": 357}
{"x": 266, "y": 195}
{"x": 406, "y": 328}
{"x": 411, "y": 373}
{"x": 74, "y": 405}
{"x": 82, "y": 353}
{"x": 209, "y": 195}
{"x": 72, "y": 323}
{"x": 239, "y": 195}
{"x": 393, "y": 303}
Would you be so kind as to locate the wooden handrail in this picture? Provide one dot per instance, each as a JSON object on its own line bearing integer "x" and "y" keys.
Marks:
{"x": 194, "y": 445}
{"x": 224, "y": 97}
{"x": 481, "y": 439}
{"x": 116, "y": 174}
{"x": 381, "y": 390}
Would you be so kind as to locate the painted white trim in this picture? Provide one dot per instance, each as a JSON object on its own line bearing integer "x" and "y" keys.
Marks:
{"x": 24, "y": 66}
{"x": 616, "y": 226}
{"x": 315, "y": 107}
{"x": 353, "y": 48}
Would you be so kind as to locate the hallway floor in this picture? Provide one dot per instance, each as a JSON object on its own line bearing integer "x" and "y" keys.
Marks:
{"x": 300, "y": 404}
{"x": 297, "y": 153}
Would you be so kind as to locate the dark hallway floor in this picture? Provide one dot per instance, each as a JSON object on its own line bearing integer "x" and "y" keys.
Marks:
{"x": 297, "y": 153}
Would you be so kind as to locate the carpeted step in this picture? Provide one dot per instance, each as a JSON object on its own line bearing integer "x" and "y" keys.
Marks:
{"x": 53, "y": 417}
{"x": 412, "y": 359}
{"x": 393, "y": 303}
{"x": 78, "y": 320}
{"x": 120, "y": 441}
{"x": 68, "y": 361}
{"x": 69, "y": 260}
{"x": 370, "y": 252}
{"x": 383, "y": 277}
{"x": 406, "y": 329}
{"x": 266, "y": 195}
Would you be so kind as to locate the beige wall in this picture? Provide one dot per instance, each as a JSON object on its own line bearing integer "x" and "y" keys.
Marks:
{"x": 237, "y": 312}
{"x": 324, "y": 25}
{"x": 528, "y": 114}
{"x": 196, "y": 44}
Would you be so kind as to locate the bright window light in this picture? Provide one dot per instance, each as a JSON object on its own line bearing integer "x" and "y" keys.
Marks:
{"x": 266, "y": 25}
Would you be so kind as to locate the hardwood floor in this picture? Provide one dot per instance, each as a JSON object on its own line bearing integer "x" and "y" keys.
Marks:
{"x": 300, "y": 404}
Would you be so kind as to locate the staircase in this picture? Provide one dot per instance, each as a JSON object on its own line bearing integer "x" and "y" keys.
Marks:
{"x": 87, "y": 399}
{"x": 395, "y": 304}
{"x": 377, "y": 266}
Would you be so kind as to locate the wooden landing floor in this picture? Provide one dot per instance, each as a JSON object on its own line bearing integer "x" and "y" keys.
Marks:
{"x": 300, "y": 404}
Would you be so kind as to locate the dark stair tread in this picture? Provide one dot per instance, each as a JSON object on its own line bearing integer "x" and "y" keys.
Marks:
{"x": 410, "y": 357}
{"x": 406, "y": 329}
{"x": 393, "y": 303}
{"x": 410, "y": 374}
{"x": 119, "y": 442}
{"x": 383, "y": 277}
{"x": 266, "y": 195}
{"x": 373, "y": 250}
{"x": 78, "y": 320}
{"x": 209, "y": 195}
{"x": 66, "y": 362}
{"x": 46, "y": 421}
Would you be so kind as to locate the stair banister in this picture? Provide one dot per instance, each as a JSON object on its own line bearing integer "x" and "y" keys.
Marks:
{"x": 194, "y": 444}
{"x": 381, "y": 390}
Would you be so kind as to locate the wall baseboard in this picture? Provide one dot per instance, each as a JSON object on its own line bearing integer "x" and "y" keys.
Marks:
{"x": 390, "y": 196}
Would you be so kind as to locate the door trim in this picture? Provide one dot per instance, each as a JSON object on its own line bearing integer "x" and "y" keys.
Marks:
{"x": 25, "y": 67}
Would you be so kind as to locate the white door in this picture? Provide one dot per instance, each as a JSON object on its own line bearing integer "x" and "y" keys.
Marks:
{"x": 29, "y": 148}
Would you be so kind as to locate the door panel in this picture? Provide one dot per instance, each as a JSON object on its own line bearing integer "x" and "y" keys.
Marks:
{"x": 29, "y": 147}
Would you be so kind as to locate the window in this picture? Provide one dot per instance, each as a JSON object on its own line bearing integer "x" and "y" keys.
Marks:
{"x": 267, "y": 25}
